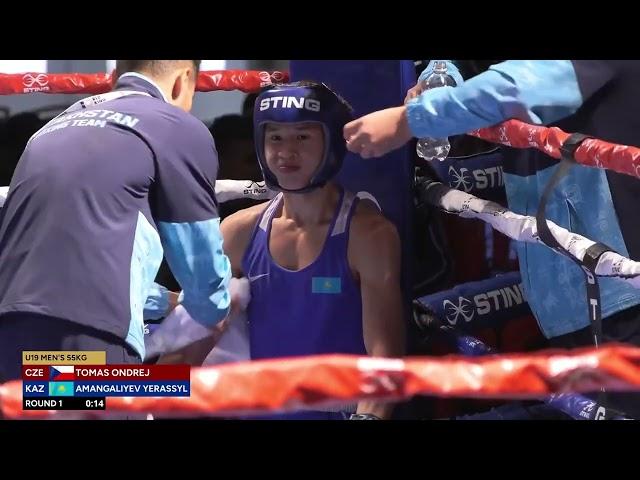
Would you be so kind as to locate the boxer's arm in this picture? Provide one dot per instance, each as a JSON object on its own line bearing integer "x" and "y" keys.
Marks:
{"x": 374, "y": 252}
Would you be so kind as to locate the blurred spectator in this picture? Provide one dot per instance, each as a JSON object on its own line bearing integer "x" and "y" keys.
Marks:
{"x": 247, "y": 105}
{"x": 14, "y": 134}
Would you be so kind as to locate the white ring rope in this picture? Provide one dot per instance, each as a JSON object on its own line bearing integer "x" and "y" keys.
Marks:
{"x": 226, "y": 190}
{"x": 523, "y": 228}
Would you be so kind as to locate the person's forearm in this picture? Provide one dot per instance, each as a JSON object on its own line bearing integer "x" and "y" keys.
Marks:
{"x": 383, "y": 344}
{"x": 535, "y": 91}
{"x": 196, "y": 257}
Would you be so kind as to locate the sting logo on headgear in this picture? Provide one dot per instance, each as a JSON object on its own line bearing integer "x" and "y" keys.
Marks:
{"x": 290, "y": 102}
{"x": 303, "y": 102}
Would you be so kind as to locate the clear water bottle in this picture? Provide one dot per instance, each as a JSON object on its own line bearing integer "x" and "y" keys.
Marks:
{"x": 435, "y": 148}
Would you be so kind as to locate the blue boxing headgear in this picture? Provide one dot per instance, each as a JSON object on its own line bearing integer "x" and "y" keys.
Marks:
{"x": 303, "y": 102}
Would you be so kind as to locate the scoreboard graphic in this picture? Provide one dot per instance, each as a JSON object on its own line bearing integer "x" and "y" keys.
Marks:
{"x": 82, "y": 380}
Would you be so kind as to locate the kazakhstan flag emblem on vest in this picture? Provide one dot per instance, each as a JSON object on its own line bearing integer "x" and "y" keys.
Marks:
{"x": 326, "y": 285}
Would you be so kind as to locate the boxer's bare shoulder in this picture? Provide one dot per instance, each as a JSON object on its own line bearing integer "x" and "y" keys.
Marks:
{"x": 236, "y": 232}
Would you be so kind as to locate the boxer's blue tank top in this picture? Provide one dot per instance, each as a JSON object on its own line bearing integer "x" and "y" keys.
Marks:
{"x": 314, "y": 310}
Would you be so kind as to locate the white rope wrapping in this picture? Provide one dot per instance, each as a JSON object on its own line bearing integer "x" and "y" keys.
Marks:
{"x": 235, "y": 189}
{"x": 226, "y": 190}
{"x": 523, "y": 228}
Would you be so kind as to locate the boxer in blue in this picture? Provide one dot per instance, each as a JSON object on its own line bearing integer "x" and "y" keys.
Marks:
{"x": 323, "y": 267}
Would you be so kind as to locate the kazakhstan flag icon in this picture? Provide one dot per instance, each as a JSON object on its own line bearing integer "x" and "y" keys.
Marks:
{"x": 326, "y": 285}
{"x": 61, "y": 389}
